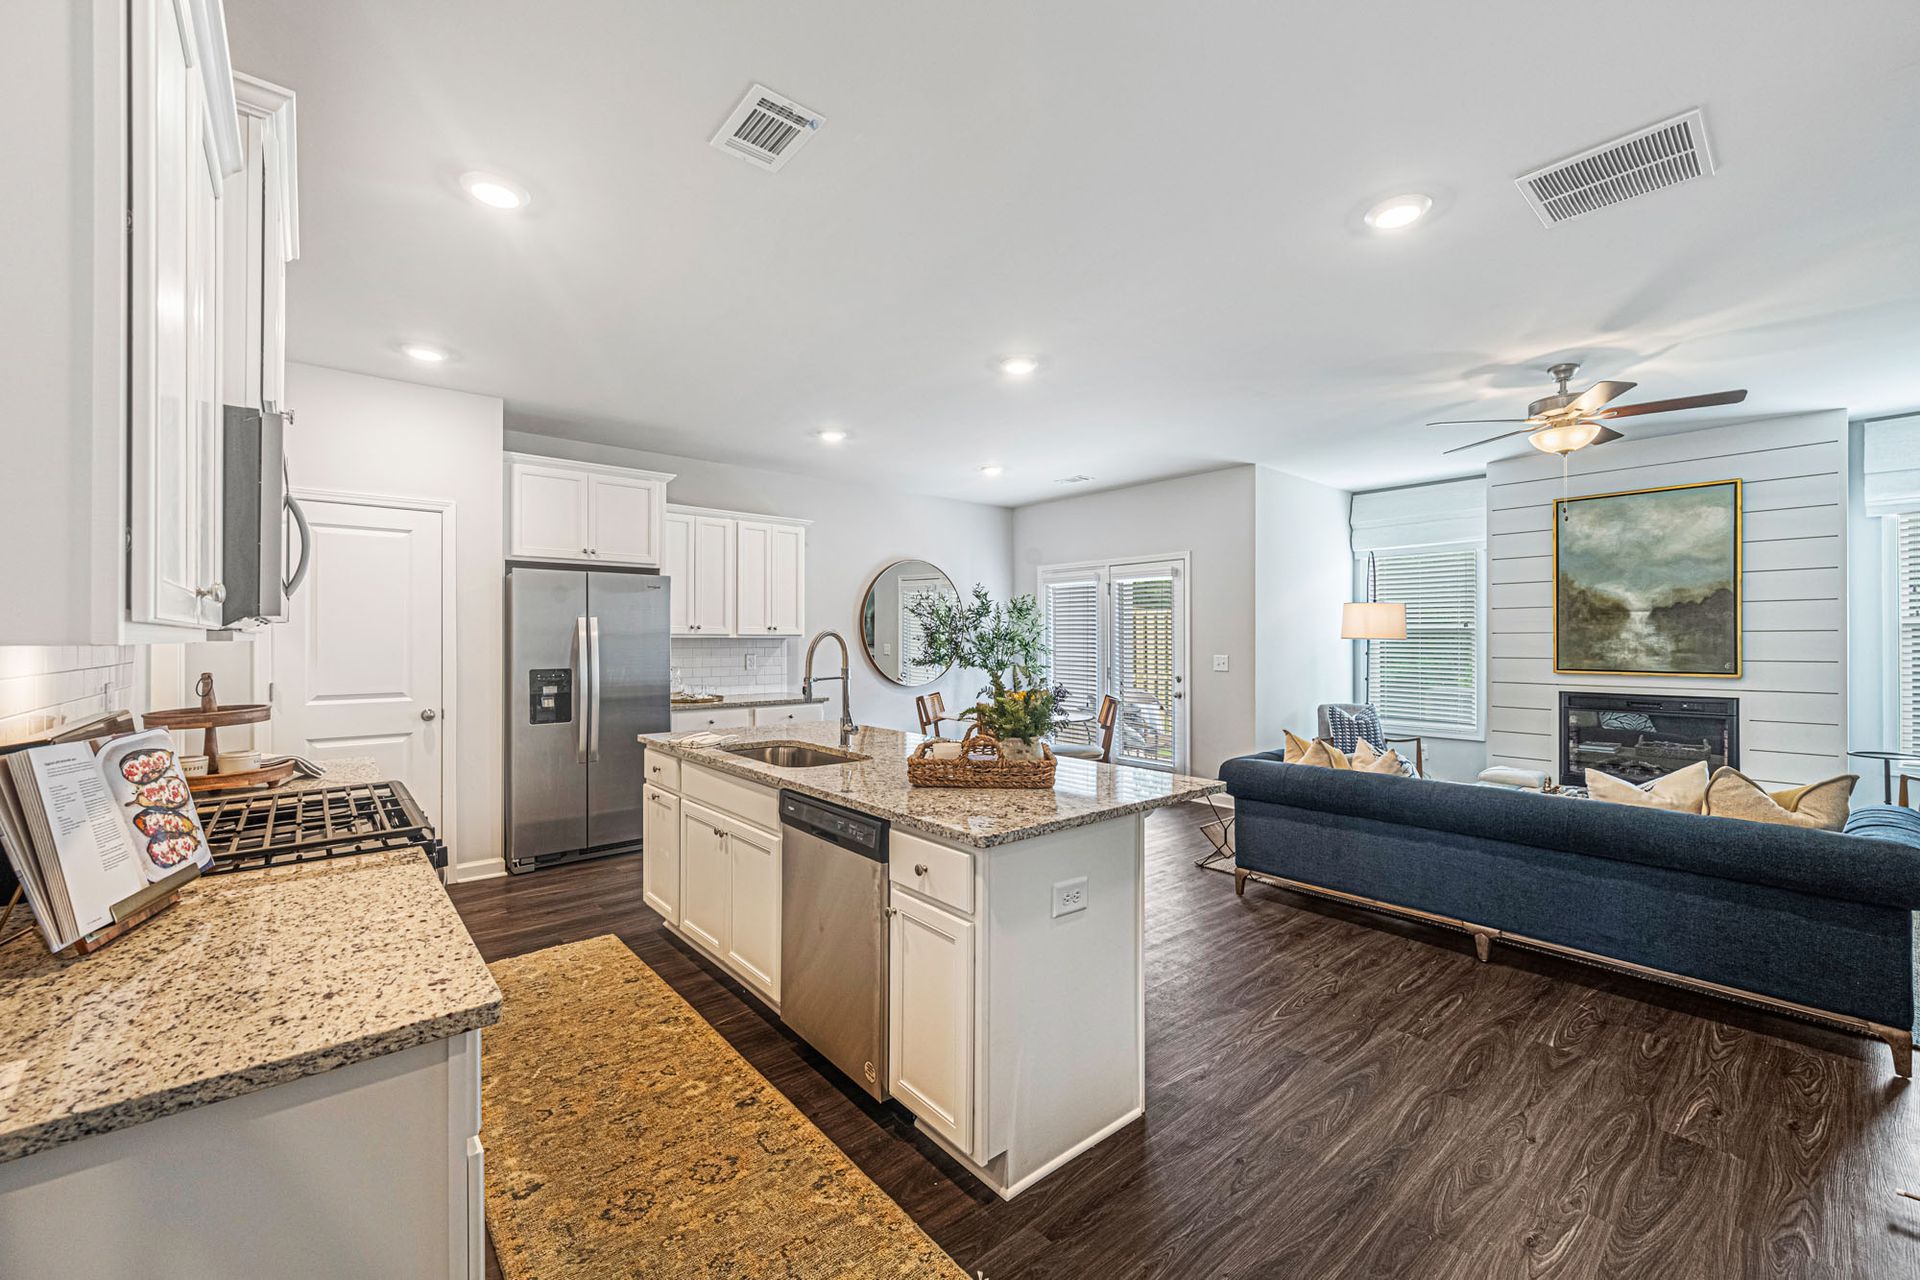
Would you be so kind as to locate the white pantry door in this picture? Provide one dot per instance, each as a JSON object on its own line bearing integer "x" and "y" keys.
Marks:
{"x": 357, "y": 667}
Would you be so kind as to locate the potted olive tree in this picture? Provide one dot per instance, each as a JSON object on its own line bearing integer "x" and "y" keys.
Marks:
{"x": 1006, "y": 641}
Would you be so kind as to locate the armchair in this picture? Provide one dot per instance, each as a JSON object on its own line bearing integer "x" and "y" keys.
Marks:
{"x": 1366, "y": 717}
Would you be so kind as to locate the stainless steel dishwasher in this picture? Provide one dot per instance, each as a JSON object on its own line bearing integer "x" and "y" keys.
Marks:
{"x": 833, "y": 935}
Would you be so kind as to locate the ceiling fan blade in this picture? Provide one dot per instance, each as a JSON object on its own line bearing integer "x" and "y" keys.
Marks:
{"x": 1472, "y": 422}
{"x": 1598, "y": 394}
{"x": 1527, "y": 430}
{"x": 1607, "y": 435}
{"x": 1670, "y": 406}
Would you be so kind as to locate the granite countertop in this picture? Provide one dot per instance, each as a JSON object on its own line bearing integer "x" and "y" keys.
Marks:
{"x": 748, "y": 700}
{"x": 250, "y": 980}
{"x": 1084, "y": 791}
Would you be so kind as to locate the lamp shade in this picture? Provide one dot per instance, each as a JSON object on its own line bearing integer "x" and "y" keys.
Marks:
{"x": 1373, "y": 621}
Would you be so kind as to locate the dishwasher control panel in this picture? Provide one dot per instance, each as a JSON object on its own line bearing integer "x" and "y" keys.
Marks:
{"x": 860, "y": 832}
{"x": 550, "y": 696}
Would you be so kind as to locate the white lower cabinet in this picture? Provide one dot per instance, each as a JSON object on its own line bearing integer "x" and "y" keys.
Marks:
{"x": 693, "y": 719}
{"x": 753, "y": 922}
{"x": 660, "y": 861}
{"x": 930, "y": 1015}
{"x": 706, "y": 878}
{"x": 766, "y": 717}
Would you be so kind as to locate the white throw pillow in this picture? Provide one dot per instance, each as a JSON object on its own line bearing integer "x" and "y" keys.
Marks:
{"x": 1683, "y": 790}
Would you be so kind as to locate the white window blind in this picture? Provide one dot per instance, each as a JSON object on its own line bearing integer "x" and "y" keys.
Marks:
{"x": 1430, "y": 681}
{"x": 1907, "y": 613}
{"x": 1072, "y": 607}
{"x": 913, "y": 636}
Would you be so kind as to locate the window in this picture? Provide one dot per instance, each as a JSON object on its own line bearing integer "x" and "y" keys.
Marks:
{"x": 1430, "y": 681}
{"x": 1119, "y": 629}
{"x": 1907, "y": 623}
{"x": 913, "y": 636}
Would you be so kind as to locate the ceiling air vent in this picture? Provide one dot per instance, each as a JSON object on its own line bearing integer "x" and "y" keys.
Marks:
{"x": 1074, "y": 479}
{"x": 1662, "y": 155}
{"x": 766, "y": 129}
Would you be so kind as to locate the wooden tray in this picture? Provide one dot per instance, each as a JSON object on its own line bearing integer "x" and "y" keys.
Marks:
{"x": 219, "y": 718}
{"x": 981, "y": 766}
{"x": 271, "y": 776}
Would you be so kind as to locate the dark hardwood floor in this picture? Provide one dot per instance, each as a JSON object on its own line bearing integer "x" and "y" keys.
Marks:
{"x": 1333, "y": 1093}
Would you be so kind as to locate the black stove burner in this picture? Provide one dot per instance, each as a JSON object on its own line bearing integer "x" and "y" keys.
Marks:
{"x": 249, "y": 832}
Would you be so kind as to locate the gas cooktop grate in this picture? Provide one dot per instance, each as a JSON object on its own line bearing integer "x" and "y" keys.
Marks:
{"x": 246, "y": 833}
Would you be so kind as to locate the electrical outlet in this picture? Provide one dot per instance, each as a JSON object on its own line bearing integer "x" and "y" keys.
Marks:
{"x": 1219, "y": 662}
{"x": 1069, "y": 896}
{"x": 751, "y": 659}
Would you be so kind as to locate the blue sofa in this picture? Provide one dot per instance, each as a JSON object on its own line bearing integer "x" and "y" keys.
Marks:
{"x": 1812, "y": 923}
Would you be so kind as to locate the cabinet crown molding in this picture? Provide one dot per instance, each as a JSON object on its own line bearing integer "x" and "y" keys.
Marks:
{"x": 598, "y": 468}
{"x": 756, "y": 517}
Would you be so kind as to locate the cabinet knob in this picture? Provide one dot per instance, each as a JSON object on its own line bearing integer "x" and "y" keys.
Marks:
{"x": 919, "y": 868}
{"x": 216, "y": 593}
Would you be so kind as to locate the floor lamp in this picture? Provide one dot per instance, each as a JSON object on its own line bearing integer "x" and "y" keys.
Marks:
{"x": 1370, "y": 620}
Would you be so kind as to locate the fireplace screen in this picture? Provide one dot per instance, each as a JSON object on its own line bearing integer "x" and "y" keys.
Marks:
{"x": 1638, "y": 739}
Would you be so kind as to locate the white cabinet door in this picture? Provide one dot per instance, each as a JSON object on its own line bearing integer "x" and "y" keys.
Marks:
{"x": 706, "y": 877}
{"x": 547, "y": 513}
{"x": 754, "y": 563}
{"x": 710, "y": 609}
{"x": 259, "y": 237}
{"x": 930, "y": 1015}
{"x": 660, "y": 855}
{"x": 174, "y": 482}
{"x": 624, "y": 515}
{"x": 786, "y": 580}
{"x": 753, "y": 934}
{"x": 676, "y": 564}
{"x": 694, "y": 719}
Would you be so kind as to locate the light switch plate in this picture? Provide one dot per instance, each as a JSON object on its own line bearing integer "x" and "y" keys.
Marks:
{"x": 1219, "y": 662}
{"x": 1069, "y": 896}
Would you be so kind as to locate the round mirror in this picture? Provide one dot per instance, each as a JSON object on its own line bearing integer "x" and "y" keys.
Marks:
{"x": 888, "y": 629}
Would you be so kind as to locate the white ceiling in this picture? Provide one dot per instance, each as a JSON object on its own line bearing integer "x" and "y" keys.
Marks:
{"x": 1160, "y": 198}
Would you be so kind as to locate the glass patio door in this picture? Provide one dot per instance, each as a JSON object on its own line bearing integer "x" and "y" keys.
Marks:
{"x": 1119, "y": 628}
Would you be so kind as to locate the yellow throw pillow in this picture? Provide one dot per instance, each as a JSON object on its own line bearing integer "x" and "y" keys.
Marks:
{"x": 1820, "y": 805}
{"x": 1387, "y": 762}
{"x": 1683, "y": 790}
{"x": 1319, "y": 753}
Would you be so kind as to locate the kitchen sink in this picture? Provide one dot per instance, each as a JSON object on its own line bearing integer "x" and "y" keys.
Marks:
{"x": 793, "y": 755}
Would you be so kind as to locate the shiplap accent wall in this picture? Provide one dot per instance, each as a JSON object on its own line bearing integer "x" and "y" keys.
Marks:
{"x": 1793, "y": 707}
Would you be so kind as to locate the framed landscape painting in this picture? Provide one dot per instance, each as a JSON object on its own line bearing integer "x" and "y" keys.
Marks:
{"x": 1648, "y": 582}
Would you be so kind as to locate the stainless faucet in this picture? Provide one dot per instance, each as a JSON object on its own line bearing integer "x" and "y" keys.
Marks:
{"x": 807, "y": 681}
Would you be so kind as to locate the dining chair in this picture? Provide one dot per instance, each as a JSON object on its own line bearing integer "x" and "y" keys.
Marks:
{"x": 932, "y": 710}
{"x": 1109, "y": 717}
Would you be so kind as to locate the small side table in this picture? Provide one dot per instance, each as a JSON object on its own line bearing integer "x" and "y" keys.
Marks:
{"x": 1886, "y": 759}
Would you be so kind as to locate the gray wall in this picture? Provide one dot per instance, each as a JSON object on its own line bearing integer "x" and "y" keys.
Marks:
{"x": 1303, "y": 568}
{"x": 1793, "y": 713}
{"x": 857, "y": 531}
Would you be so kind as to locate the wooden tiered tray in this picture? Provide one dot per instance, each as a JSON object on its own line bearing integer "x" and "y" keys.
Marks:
{"x": 213, "y": 717}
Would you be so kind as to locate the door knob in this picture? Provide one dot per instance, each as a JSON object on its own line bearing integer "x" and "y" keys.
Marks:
{"x": 428, "y": 714}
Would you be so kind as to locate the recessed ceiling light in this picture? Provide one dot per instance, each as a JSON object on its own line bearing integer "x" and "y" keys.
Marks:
{"x": 423, "y": 353}
{"x": 991, "y": 470}
{"x": 1019, "y": 366}
{"x": 1397, "y": 213}
{"x": 830, "y": 435}
{"x": 495, "y": 191}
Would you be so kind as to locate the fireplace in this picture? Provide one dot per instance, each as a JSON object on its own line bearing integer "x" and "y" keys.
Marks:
{"x": 1638, "y": 738}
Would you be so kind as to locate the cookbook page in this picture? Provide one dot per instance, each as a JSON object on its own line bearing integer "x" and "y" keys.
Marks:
{"x": 90, "y": 838}
{"x": 154, "y": 803}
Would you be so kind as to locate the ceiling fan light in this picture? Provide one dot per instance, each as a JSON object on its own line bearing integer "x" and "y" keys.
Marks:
{"x": 1565, "y": 439}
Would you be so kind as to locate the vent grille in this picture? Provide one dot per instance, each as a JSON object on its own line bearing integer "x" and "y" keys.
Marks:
{"x": 1074, "y": 479}
{"x": 1652, "y": 159}
{"x": 766, "y": 129}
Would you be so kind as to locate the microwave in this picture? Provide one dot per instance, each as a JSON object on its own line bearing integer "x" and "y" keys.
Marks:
{"x": 256, "y": 511}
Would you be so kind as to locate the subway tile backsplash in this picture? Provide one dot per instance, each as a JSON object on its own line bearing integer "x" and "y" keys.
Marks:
{"x": 720, "y": 666}
{"x": 43, "y": 687}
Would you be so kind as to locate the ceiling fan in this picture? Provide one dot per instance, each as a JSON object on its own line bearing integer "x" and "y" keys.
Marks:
{"x": 1566, "y": 421}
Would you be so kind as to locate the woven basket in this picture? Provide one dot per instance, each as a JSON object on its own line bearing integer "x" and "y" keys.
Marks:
{"x": 980, "y": 765}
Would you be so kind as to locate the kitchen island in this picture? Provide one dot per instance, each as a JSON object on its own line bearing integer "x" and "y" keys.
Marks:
{"x": 1015, "y": 927}
{"x": 279, "y": 1075}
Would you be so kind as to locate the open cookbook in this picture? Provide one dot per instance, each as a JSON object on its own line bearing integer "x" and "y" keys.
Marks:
{"x": 87, "y": 833}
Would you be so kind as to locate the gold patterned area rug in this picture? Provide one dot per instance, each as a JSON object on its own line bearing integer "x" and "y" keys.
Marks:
{"x": 626, "y": 1138}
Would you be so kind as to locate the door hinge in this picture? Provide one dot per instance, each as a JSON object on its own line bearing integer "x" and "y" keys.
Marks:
{"x": 129, "y": 219}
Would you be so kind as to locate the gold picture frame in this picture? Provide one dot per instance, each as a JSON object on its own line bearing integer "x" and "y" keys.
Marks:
{"x": 1736, "y": 563}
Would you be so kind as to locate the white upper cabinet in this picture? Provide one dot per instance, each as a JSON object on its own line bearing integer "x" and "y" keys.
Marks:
{"x": 261, "y": 235}
{"x": 583, "y": 512}
{"x": 114, "y": 320}
{"x": 739, "y": 575}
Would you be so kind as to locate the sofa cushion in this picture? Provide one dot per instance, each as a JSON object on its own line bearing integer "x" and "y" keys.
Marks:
{"x": 1821, "y": 805}
{"x": 1318, "y": 754}
{"x": 1827, "y": 863}
{"x": 1683, "y": 790}
{"x": 1348, "y": 729}
{"x": 1892, "y": 822}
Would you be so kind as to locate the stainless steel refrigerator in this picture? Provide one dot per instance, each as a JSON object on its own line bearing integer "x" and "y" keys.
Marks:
{"x": 588, "y": 669}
